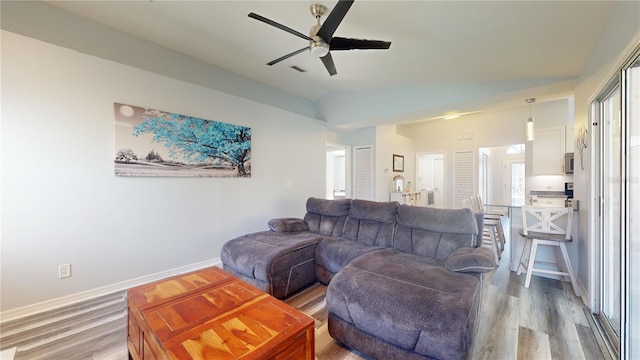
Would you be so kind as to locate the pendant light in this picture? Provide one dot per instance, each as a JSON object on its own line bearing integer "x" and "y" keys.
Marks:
{"x": 531, "y": 126}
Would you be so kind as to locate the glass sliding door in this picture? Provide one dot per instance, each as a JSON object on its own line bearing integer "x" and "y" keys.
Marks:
{"x": 611, "y": 218}
{"x": 616, "y": 112}
{"x": 631, "y": 112}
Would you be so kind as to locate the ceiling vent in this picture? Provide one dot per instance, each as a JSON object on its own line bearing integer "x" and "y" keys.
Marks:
{"x": 294, "y": 67}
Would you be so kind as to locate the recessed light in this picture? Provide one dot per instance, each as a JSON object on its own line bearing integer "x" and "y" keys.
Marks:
{"x": 451, "y": 117}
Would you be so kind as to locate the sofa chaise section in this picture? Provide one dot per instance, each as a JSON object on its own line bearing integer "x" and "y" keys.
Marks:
{"x": 281, "y": 261}
{"x": 418, "y": 299}
{"x": 277, "y": 265}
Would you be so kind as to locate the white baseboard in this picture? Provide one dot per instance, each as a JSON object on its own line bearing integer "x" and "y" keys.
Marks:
{"x": 48, "y": 305}
{"x": 8, "y": 354}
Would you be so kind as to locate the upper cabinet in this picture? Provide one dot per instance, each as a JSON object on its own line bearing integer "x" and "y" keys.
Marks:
{"x": 570, "y": 140}
{"x": 549, "y": 148}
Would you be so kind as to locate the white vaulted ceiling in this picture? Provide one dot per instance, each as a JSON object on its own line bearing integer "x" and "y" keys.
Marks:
{"x": 446, "y": 56}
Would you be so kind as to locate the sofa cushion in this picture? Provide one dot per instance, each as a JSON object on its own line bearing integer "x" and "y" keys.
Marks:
{"x": 473, "y": 260}
{"x": 407, "y": 302}
{"x": 371, "y": 222}
{"x": 334, "y": 253}
{"x": 327, "y": 217}
{"x": 434, "y": 233}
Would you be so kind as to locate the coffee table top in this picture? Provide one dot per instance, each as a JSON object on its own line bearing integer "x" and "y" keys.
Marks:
{"x": 210, "y": 314}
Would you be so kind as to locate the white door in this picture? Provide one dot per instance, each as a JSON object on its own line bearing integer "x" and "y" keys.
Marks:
{"x": 514, "y": 177}
{"x": 464, "y": 178}
{"x": 363, "y": 173}
{"x": 438, "y": 181}
{"x": 431, "y": 176}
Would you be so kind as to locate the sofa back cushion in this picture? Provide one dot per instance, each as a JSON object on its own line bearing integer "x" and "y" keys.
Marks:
{"x": 371, "y": 222}
{"x": 435, "y": 233}
{"x": 327, "y": 217}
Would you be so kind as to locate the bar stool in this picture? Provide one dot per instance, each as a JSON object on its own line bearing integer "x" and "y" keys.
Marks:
{"x": 491, "y": 216}
{"x": 546, "y": 226}
{"x": 492, "y": 234}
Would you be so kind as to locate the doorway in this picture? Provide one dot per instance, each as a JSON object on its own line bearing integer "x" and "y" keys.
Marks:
{"x": 336, "y": 171}
{"x": 502, "y": 176}
{"x": 431, "y": 176}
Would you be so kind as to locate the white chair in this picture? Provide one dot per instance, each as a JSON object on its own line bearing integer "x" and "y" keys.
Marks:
{"x": 492, "y": 216}
{"x": 546, "y": 226}
{"x": 491, "y": 232}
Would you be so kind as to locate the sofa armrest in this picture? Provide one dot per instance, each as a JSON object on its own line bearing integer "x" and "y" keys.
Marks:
{"x": 285, "y": 225}
{"x": 467, "y": 260}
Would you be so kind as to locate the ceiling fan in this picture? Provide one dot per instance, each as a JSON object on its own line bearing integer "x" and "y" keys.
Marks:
{"x": 321, "y": 40}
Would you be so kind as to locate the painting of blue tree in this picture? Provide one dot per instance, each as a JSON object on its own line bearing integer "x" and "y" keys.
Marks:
{"x": 169, "y": 144}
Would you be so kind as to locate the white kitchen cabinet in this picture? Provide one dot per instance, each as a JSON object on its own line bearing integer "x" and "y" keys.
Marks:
{"x": 569, "y": 140}
{"x": 548, "y": 151}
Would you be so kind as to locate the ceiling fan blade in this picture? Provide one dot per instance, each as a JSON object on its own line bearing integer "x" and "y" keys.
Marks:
{"x": 279, "y": 26}
{"x": 338, "y": 43}
{"x": 327, "y": 60}
{"x": 287, "y": 56}
{"x": 334, "y": 19}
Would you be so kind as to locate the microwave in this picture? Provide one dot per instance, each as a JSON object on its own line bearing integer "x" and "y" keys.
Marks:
{"x": 568, "y": 163}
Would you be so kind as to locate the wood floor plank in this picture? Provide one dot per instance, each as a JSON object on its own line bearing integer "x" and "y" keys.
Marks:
{"x": 533, "y": 345}
{"x": 497, "y": 335}
{"x": 589, "y": 343}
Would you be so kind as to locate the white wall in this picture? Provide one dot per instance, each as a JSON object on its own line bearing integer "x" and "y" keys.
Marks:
{"x": 61, "y": 202}
{"x": 389, "y": 142}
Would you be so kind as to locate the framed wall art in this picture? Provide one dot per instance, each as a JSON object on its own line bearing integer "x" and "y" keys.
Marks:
{"x": 151, "y": 142}
{"x": 398, "y": 163}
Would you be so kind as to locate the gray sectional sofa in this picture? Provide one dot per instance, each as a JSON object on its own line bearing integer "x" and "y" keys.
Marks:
{"x": 403, "y": 282}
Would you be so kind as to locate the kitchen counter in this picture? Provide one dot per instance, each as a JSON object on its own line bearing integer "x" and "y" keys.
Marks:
{"x": 547, "y": 198}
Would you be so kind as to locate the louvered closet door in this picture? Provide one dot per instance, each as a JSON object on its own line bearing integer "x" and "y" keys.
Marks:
{"x": 464, "y": 176}
{"x": 363, "y": 174}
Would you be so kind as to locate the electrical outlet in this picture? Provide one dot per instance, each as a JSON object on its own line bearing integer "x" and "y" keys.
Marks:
{"x": 64, "y": 271}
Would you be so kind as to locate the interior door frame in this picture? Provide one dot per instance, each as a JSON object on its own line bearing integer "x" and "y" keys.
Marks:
{"x": 443, "y": 156}
{"x": 329, "y": 146}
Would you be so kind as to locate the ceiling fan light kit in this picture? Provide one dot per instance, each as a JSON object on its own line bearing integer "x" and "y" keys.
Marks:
{"x": 318, "y": 47}
{"x": 321, "y": 40}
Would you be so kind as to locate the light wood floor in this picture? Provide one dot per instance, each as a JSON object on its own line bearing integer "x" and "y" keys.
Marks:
{"x": 546, "y": 321}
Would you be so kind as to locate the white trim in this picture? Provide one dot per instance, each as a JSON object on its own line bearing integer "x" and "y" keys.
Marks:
{"x": 71, "y": 299}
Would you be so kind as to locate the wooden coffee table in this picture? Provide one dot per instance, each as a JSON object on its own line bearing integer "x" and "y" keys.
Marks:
{"x": 210, "y": 314}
